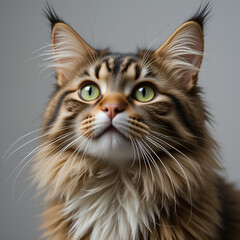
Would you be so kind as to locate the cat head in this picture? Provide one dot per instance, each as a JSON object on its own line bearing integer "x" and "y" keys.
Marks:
{"x": 122, "y": 107}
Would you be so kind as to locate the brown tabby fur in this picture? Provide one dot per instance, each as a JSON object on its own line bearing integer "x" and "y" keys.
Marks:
{"x": 195, "y": 203}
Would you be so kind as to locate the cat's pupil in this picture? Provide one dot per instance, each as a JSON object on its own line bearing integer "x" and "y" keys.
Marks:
{"x": 89, "y": 90}
{"x": 143, "y": 90}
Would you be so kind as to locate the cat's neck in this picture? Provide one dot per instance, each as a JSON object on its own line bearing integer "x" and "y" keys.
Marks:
{"x": 137, "y": 203}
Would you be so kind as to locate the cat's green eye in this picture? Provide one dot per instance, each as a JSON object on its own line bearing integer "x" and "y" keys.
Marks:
{"x": 144, "y": 93}
{"x": 89, "y": 92}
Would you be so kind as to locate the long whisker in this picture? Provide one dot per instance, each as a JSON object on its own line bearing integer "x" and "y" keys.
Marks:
{"x": 20, "y": 147}
{"x": 22, "y": 161}
{"x": 19, "y": 139}
{"x": 139, "y": 157}
{"x": 36, "y": 150}
{"x": 52, "y": 160}
{"x": 133, "y": 151}
{"x": 85, "y": 150}
{"x": 77, "y": 151}
{"x": 63, "y": 167}
{"x": 185, "y": 176}
{"x": 75, "y": 154}
{"x": 157, "y": 170}
{"x": 177, "y": 150}
{"x": 146, "y": 154}
{"x": 170, "y": 138}
{"x": 171, "y": 181}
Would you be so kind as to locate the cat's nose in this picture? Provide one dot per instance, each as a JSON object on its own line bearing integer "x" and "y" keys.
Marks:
{"x": 112, "y": 109}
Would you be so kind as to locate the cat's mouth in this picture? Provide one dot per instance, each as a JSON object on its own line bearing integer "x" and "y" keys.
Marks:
{"x": 111, "y": 131}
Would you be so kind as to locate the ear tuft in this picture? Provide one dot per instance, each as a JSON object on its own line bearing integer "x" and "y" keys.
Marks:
{"x": 202, "y": 15}
{"x": 51, "y": 15}
{"x": 182, "y": 54}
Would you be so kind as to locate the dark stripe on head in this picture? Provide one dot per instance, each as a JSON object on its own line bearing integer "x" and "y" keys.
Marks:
{"x": 130, "y": 61}
{"x": 57, "y": 108}
{"x": 86, "y": 73}
{"x": 107, "y": 65}
{"x": 184, "y": 117}
{"x": 138, "y": 72}
{"x": 97, "y": 69}
{"x": 117, "y": 63}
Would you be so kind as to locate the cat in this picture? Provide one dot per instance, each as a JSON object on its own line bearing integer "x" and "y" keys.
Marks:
{"x": 126, "y": 153}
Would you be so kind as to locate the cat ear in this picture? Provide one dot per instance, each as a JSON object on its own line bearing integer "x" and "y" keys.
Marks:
{"x": 70, "y": 50}
{"x": 182, "y": 54}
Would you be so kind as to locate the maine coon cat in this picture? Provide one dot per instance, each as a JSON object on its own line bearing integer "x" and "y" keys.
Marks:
{"x": 126, "y": 154}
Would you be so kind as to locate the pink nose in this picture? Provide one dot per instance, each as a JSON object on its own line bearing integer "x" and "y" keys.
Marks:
{"x": 112, "y": 109}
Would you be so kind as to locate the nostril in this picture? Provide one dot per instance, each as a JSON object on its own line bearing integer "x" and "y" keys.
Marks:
{"x": 105, "y": 109}
{"x": 112, "y": 109}
{"x": 117, "y": 110}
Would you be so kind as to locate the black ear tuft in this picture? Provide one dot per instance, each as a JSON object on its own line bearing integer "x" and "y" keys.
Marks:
{"x": 202, "y": 15}
{"x": 51, "y": 15}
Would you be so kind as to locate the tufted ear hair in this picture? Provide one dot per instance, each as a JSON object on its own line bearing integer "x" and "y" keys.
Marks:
{"x": 69, "y": 49}
{"x": 182, "y": 53}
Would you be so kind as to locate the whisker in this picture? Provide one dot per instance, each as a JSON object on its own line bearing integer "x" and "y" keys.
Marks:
{"x": 36, "y": 150}
{"x": 49, "y": 132}
{"x": 145, "y": 152}
{"x": 141, "y": 155}
{"x": 19, "y": 139}
{"x": 185, "y": 176}
{"x": 133, "y": 151}
{"x": 52, "y": 160}
{"x": 157, "y": 169}
{"x": 139, "y": 158}
{"x": 177, "y": 150}
{"x": 63, "y": 167}
{"x": 171, "y": 181}
{"x": 85, "y": 150}
{"x": 170, "y": 138}
{"x": 25, "y": 164}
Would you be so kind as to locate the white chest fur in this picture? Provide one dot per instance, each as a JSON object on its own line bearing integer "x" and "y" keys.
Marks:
{"x": 111, "y": 208}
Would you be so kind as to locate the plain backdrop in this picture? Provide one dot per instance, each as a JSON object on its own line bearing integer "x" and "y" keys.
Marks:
{"x": 124, "y": 25}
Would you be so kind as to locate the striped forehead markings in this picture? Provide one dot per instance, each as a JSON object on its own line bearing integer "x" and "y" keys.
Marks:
{"x": 97, "y": 69}
{"x": 103, "y": 68}
{"x": 107, "y": 62}
{"x": 129, "y": 66}
{"x": 120, "y": 64}
{"x": 138, "y": 71}
{"x": 117, "y": 64}
{"x": 127, "y": 63}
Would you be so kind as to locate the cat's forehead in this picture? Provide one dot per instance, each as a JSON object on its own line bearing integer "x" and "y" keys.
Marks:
{"x": 115, "y": 68}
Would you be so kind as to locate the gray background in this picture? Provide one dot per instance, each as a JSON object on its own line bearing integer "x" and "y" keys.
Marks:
{"x": 24, "y": 89}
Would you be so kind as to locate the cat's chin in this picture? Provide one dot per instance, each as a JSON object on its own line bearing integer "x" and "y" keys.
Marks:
{"x": 111, "y": 146}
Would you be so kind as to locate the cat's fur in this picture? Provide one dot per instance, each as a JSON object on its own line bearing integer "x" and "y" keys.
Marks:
{"x": 153, "y": 179}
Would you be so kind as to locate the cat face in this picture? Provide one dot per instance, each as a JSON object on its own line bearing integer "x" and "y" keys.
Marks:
{"x": 120, "y": 107}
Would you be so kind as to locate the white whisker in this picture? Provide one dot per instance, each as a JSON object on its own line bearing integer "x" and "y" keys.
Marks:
{"x": 170, "y": 178}
{"x": 25, "y": 164}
